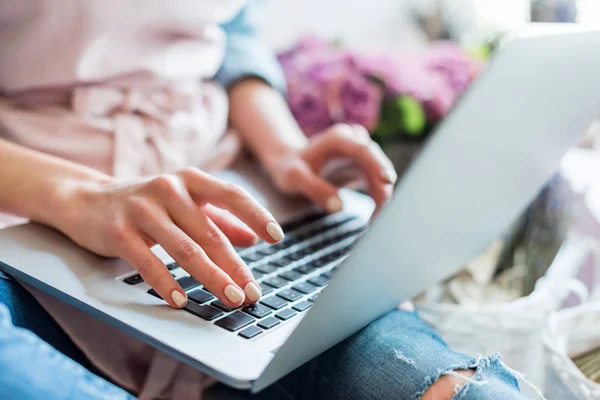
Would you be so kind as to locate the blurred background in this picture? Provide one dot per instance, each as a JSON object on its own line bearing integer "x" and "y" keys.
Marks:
{"x": 409, "y": 24}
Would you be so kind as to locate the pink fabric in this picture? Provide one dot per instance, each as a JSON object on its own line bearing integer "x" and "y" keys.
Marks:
{"x": 118, "y": 86}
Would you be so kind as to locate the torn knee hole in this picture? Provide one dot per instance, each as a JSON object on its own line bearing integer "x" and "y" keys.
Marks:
{"x": 449, "y": 384}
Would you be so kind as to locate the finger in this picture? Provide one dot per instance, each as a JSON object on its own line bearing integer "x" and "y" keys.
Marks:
{"x": 342, "y": 142}
{"x": 206, "y": 188}
{"x": 389, "y": 174}
{"x": 389, "y": 189}
{"x": 238, "y": 234}
{"x": 316, "y": 188}
{"x": 152, "y": 270}
{"x": 203, "y": 231}
{"x": 157, "y": 224}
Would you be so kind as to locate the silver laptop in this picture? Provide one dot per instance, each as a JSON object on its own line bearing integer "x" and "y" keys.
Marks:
{"x": 331, "y": 276}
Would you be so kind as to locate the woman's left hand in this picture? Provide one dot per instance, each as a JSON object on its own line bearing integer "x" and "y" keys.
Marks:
{"x": 298, "y": 171}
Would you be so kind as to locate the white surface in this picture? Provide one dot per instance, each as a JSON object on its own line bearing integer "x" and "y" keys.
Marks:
{"x": 357, "y": 22}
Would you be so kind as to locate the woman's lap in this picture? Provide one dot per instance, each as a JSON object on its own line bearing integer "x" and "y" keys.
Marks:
{"x": 31, "y": 367}
{"x": 397, "y": 357}
{"x": 28, "y": 314}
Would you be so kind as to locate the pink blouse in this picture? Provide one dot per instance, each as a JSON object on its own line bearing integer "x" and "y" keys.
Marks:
{"x": 119, "y": 86}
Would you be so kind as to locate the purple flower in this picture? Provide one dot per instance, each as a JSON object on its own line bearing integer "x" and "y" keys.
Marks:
{"x": 307, "y": 101}
{"x": 452, "y": 63}
{"x": 410, "y": 75}
{"x": 354, "y": 99}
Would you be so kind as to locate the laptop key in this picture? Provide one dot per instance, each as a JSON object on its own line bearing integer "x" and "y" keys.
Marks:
{"x": 235, "y": 321}
{"x": 291, "y": 275}
{"x": 219, "y": 304}
{"x": 267, "y": 251}
{"x": 133, "y": 280}
{"x": 257, "y": 310}
{"x": 297, "y": 223}
{"x": 276, "y": 282}
{"x": 252, "y": 257}
{"x": 257, "y": 274}
{"x": 320, "y": 280}
{"x": 289, "y": 294}
{"x": 172, "y": 266}
{"x": 328, "y": 274}
{"x": 268, "y": 323}
{"x": 305, "y": 269}
{"x": 154, "y": 293}
{"x": 318, "y": 263}
{"x": 188, "y": 282}
{"x": 295, "y": 256}
{"x": 274, "y": 302}
{"x": 304, "y": 287}
{"x": 200, "y": 296}
{"x": 266, "y": 268}
{"x": 205, "y": 312}
{"x": 286, "y": 314}
{"x": 265, "y": 289}
{"x": 250, "y": 332}
{"x": 282, "y": 262}
{"x": 302, "y": 306}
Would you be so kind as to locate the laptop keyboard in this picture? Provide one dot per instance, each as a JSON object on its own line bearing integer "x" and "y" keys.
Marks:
{"x": 290, "y": 273}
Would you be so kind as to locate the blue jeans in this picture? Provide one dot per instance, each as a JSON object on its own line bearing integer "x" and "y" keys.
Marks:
{"x": 396, "y": 357}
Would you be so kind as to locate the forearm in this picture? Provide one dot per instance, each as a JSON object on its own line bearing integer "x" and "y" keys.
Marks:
{"x": 261, "y": 115}
{"x": 35, "y": 185}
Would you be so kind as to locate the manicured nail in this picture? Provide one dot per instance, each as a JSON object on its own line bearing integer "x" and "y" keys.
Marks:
{"x": 389, "y": 191}
{"x": 334, "y": 204}
{"x": 274, "y": 230}
{"x": 234, "y": 294}
{"x": 178, "y": 298}
{"x": 390, "y": 176}
{"x": 253, "y": 292}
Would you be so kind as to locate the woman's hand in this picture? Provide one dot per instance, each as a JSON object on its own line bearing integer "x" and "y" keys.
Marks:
{"x": 184, "y": 213}
{"x": 299, "y": 171}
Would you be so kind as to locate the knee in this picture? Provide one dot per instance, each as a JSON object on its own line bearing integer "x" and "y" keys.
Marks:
{"x": 447, "y": 386}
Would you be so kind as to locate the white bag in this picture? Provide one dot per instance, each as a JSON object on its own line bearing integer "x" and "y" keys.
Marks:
{"x": 512, "y": 329}
{"x": 571, "y": 332}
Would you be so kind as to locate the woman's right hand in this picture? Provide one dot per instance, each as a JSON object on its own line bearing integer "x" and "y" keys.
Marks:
{"x": 185, "y": 213}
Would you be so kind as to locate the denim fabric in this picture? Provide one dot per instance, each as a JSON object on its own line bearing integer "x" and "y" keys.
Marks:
{"x": 31, "y": 369}
{"x": 245, "y": 54}
{"x": 28, "y": 314}
{"x": 396, "y": 357}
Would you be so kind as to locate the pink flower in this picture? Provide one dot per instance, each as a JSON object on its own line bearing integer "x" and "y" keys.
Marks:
{"x": 452, "y": 63}
{"x": 354, "y": 99}
{"x": 307, "y": 101}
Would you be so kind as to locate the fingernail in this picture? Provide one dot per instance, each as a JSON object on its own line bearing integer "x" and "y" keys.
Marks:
{"x": 253, "y": 292}
{"x": 390, "y": 176}
{"x": 274, "y": 230}
{"x": 234, "y": 294}
{"x": 178, "y": 298}
{"x": 334, "y": 204}
{"x": 389, "y": 191}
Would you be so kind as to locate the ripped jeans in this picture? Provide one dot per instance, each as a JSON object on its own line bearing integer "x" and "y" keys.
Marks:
{"x": 396, "y": 357}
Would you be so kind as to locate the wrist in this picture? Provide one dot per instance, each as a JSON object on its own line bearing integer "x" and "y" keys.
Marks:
{"x": 68, "y": 198}
{"x": 273, "y": 158}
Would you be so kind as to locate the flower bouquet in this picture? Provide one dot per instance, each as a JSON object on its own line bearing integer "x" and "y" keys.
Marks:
{"x": 398, "y": 98}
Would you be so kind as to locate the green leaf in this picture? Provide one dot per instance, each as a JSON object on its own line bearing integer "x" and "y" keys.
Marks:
{"x": 413, "y": 115}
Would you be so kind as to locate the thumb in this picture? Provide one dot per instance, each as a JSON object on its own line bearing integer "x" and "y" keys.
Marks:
{"x": 318, "y": 189}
